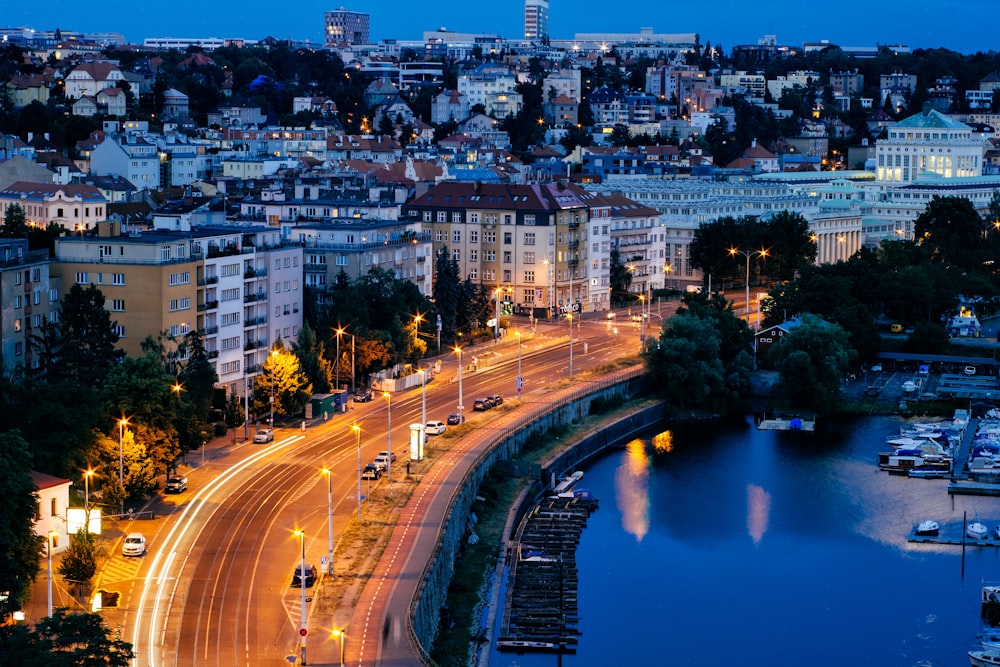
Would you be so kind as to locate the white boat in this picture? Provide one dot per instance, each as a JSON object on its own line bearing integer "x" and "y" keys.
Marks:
{"x": 928, "y": 527}
{"x": 984, "y": 658}
{"x": 990, "y": 639}
{"x": 977, "y": 530}
{"x": 991, "y": 594}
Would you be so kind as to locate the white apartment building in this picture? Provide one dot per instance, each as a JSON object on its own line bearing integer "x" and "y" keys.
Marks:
{"x": 928, "y": 142}
{"x": 130, "y": 156}
{"x": 487, "y": 79}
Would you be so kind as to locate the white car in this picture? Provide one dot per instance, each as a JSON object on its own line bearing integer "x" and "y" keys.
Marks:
{"x": 263, "y": 435}
{"x": 134, "y": 545}
{"x": 435, "y": 428}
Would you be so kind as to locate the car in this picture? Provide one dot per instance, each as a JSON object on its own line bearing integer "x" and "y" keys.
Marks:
{"x": 176, "y": 484}
{"x": 896, "y": 328}
{"x": 371, "y": 471}
{"x": 454, "y": 419}
{"x": 387, "y": 454}
{"x": 363, "y": 395}
{"x": 877, "y": 368}
{"x": 435, "y": 428}
{"x": 134, "y": 545}
{"x": 481, "y": 405}
{"x": 309, "y": 579}
{"x": 382, "y": 461}
{"x": 969, "y": 370}
{"x": 263, "y": 435}
{"x": 495, "y": 399}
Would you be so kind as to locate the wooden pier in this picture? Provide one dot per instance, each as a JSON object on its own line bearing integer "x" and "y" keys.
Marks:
{"x": 954, "y": 534}
{"x": 540, "y": 610}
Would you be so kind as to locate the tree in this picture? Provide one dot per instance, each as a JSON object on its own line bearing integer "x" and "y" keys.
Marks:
{"x": 283, "y": 379}
{"x": 20, "y": 547}
{"x": 313, "y": 361}
{"x": 78, "y": 564}
{"x": 621, "y": 280}
{"x": 15, "y": 223}
{"x": 64, "y": 640}
{"x": 86, "y": 337}
{"x": 685, "y": 362}
{"x": 786, "y": 237}
{"x": 446, "y": 292}
{"x": 813, "y": 359}
{"x": 197, "y": 376}
{"x": 953, "y": 233}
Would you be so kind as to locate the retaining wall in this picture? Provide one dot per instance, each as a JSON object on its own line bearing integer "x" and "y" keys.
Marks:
{"x": 506, "y": 445}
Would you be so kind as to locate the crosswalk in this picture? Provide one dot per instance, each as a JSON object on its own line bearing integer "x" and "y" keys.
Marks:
{"x": 119, "y": 568}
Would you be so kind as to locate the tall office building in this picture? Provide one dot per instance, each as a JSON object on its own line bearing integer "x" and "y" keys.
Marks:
{"x": 536, "y": 20}
{"x": 344, "y": 26}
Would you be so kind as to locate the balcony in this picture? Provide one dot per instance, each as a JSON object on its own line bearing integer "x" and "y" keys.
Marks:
{"x": 208, "y": 305}
{"x": 254, "y": 321}
{"x": 314, "y": 268}
{"x": 211, "y": 280}
{"x": 259, "y": 296}
{"x": 211, "y": 331}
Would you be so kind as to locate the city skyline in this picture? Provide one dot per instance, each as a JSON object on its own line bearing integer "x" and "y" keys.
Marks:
{"x": 958, "y": 25}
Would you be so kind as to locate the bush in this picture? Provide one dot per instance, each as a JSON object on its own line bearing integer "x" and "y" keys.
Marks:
{"x": 220, "y": 429}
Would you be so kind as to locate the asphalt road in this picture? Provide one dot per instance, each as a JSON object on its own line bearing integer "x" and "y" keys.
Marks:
{"x": 214, "y": 588}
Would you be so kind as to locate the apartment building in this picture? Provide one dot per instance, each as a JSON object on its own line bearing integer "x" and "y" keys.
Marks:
{"x": 131, "y": 156}
{"x": 74, "y": 207}
{"x": 241, "y": 285}
{"x": 342, "y": 26}
{"x": 536, "y": 20}
{"x": 28, "y": 298}
{"x": 529, "y": 241}
{"x": 928, "y": 142}
{"x": 487, "y": 79}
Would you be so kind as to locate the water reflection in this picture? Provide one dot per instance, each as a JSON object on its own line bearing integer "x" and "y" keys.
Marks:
{"x": 632, "y": 490}
{"x": 758, "y": 511}
{"x": 663, "y": 442}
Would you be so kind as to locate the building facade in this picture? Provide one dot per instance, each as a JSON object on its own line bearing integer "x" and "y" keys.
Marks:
{"x": 536, "y": 20}
{"x": 342, "y": 26}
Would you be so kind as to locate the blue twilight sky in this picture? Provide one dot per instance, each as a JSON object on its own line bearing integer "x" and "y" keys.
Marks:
{"x": 966, "y": 26}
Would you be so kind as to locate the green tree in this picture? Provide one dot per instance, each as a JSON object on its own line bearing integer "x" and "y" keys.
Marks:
{"x": 86, "y": 337}
{"x": 64, "y": 640}
{"x": 78, "y": 564}
{"x": 313, "y": 362}
{"x": 20, "y": 547}
{"x": 446, "y": 292}
{"x": 15, "y": 223}
{"x": 813, "y": 359}
{"x": 953, "y": 233}
{"x": 197, "y": 376}
{"x": 621, "y": 280}
{"x": 685, "y": 362}
{"x": 789, "y": 246}
{"x": 282, "y": 378}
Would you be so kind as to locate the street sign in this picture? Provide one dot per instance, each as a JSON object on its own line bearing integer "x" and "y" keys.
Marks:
{"x": 520, "y": 382}
{"x": 303, "y": 632}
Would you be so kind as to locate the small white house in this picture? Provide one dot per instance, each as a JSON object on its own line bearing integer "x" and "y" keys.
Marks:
{"x": 53, "y": 501}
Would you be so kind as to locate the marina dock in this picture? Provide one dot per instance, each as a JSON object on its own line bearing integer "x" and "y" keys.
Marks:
{"x": 954, "y": 534}
{"x": 540, "y": 611}
{"x": 965, "y": 483}
{"x": 787, "y": 424}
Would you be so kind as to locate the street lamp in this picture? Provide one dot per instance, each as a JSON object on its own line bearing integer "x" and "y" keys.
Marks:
{"x": 388, "y": 463}
{"x": 274, "y": 355}
{"x": 122, "y": 423}
{"x": 458, "y": 350}
{"x": 417, "y": 319}
{"x": 496, "y": 323}
{"x": 340, "y": 332}
{"x": 642, "y": 320}
{"x": 748, "y": 254}
{"x": 357, "y": 429}
{"x": 423, "y": 395}
{"x": 301, "y": 534}
{"x": 48, "y": 549}
{"x": 341, "y": 634}
{"x": 520, "y": 381}
{"x": 569, "y": 317}
{"x": 329, "y": 520}
{"x": 352, "y": 364}
{"x": 87, "y": 474}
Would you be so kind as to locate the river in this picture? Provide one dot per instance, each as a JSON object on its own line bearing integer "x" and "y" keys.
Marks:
{"x": 724, "y": 545}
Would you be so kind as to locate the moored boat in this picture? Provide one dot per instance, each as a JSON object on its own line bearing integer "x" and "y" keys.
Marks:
{"x": 928, "y": 527}
{"x": 984, "y": 658}
{"x": 976, "y": 529}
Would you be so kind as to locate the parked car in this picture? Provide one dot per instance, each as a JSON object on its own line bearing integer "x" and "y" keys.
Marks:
{"x": 134, "y": 545}
{"x": 495, "y": 399}
{"x": 435, "y": 428}
{"x": 371, "y": 471}
{"x": 263, "y": 435}
{"x": 310, "y": 576}
{"x": 387, "y": 454}
{"x": 363, "y": 395}
{"x": 970, "y": 370}
{"x": 176, "y": 484}
{"x": 877, "y": 368}
{"x": 481, "y": 405}
{"x": 382, "y": 461}
{"x": 455, "y": 419}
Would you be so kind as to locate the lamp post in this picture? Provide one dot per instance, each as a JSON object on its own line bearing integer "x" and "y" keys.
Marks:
{"x": 87, "y": 474}
{"x": 329, "y": 520}
{"x": 520, "y": 381}
{"x": 352, "y": 364}
{"x": 423, "y": 395}
{"x": 642, "y": 320}
{"x": 496, "y": 323}
{"x": 569, "y": 317}
{"x": 417, "y": 319}
{"x": 748, "y": 254}
{"x": 341, "y": 634}
{"x": 301, "y": 534}
{"x": 121, "y": 457}
{"x": 357, "y": 429}
{"x": 388, "y": 438}
{"x": 460, "y": 406}
{"x": 340, "y": 332}
{"x": 48, "y": 549}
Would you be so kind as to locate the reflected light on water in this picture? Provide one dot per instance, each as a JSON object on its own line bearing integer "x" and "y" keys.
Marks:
{"x": 758, "y": 511}
{"x": 663, "y": 442}
{"x": 632, "y": 490}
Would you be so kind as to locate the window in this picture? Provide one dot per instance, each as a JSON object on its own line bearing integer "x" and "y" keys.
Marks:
{"x": 442, "y": 216}
{"x": 232, "y": 270}
{"x": 17, "y": 324}
{"x": 17, "y": 301}
{"x": 439, "y": 235}
{"x": 230, "y": 367}
{"x": 508, "y": 238}
{"x": 529, "y": 257}
{"x": 456, "y": 255}
{"x": 529, "y": 219}
{"x": 473, "y": 255}
{"x": 230, "y": 294}
{"x": 182, "y": 278}
{"x": 53, "y": 295}
{"x": 474, "y": 218}
{"x": 18, "y": 348}
{"x": 489, "y": 237}
{"x": 528, "y": 296}
{"x": 489, "y": 255}
{"x": 456, "y": 237}
{"x": 456, "y": 217}
{"x": 165, "y": 253}
{"x": 474, "y": 236}
{"x": 427, "y": 216}
{"x": 506, "y": 275}
{"x": 117, "y": 278}
{"x": 529, "y": 238}
{"x": 230, "y": 343}
{"x": 118, "y": 305}
{"x": 506, "y": 256}
{"x": 180, "y": 329}
{"x": 120, "y": 330}
{"x": 529, "y": 276}
{"x": 288, "y": 262}
{"x": 295, "y": 285}
{"x": 180, "y": 304}
{"x": 230, "y": 318}
{"x": 81, "y": 278}
{"x": 341, "y": 260}
{"x": 473, "y": 273}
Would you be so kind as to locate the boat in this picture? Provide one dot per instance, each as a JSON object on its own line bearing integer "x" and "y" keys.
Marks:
{"x": 930, "y": 471}
{"x": 990, "y": 639}
{"x": 977, "y": 530}
{"x": 984, "y": 658}
{"x": 991, "y": 594}
{"x": 996, "y": 533}
{"x": 928, "y": 527}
